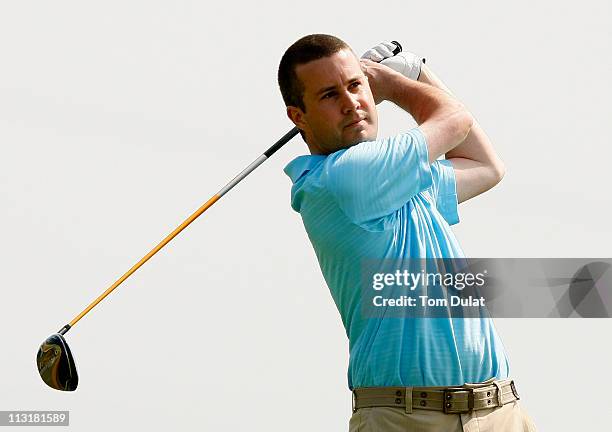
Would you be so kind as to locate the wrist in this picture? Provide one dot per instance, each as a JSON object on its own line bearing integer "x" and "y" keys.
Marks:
{"x": 424, "y": 75}
{"x": 396, "y": 86}
{"x": 428, "y": 77}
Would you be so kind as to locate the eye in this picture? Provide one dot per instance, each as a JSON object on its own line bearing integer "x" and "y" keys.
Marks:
{"x": 355, "y": 84}
{"x": 328, "y": 95}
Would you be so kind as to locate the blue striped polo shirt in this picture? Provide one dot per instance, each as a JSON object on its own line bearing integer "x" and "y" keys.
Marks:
{"x": 382, "y": 199}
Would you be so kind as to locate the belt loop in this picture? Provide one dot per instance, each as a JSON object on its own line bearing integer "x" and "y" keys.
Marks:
{"x": 514, "y": 392}
{"x": 353, "y": 400}
{"x": 499, "y": 393}
{"x": 408, "y": 400}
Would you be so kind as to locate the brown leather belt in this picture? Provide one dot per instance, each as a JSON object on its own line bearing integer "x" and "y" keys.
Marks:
{"x": 451, "y": 400}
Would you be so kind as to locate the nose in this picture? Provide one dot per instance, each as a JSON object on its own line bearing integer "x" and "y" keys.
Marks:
{"x": 350, "y": 102}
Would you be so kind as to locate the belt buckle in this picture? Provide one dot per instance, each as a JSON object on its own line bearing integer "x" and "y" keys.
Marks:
{"x": 447, "y": 396}
{"x": 353, "y": 401}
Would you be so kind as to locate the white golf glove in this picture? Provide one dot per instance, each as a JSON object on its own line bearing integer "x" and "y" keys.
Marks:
{"x": 406, "y": 63}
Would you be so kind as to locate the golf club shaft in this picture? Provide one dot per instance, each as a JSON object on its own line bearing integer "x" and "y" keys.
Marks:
{"x": 245, "y": 172}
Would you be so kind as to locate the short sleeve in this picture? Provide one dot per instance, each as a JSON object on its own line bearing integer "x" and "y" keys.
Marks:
{"x": 445, "y": 190}
{"x": 375, "y": 178}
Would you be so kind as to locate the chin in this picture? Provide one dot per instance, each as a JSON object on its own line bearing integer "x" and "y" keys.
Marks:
{"x": 361, "y": 137}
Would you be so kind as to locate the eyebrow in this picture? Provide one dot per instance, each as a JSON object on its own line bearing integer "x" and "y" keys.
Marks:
{"x": 326, "y": 89}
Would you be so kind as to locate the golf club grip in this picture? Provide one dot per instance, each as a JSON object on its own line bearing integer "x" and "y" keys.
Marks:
{"x": 398, "y": 47}
{"x": 281, "y": 142}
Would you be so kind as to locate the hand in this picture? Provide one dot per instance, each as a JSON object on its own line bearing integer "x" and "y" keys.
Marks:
{"x": 379, "y": 78}
{"x": 406, "y": 63}
{"x": 380, "y": 52}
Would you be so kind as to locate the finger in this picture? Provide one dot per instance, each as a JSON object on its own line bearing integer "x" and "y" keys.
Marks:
{"x": 364, "y": 67}
{"x": 389, "y": 45}
{"x": 384, "y": 51}
{"x": 373, "y": 55}
{"x": 365, "y": 63}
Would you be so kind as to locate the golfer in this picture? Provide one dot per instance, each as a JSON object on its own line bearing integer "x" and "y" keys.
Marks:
{"x": 361, "y": 196}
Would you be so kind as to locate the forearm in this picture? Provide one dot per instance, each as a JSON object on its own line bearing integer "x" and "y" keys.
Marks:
{"x": 476, "y": 146}
{"x": 423, "y": 102}
{"x": 443, "y": 119}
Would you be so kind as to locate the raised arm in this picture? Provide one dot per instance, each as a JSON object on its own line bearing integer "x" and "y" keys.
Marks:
{"x": 447, "y": 125}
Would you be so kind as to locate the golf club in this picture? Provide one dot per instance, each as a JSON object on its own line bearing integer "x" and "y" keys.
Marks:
{"x": 54, "y": 359}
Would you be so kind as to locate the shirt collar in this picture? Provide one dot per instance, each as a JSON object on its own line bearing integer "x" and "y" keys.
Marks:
{"x": 301, "y": 165}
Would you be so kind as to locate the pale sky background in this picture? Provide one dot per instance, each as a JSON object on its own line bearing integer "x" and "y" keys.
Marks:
{"x": 118, "y": 119}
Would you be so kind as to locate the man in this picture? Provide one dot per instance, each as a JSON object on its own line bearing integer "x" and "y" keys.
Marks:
{"x": 362, "y": 197}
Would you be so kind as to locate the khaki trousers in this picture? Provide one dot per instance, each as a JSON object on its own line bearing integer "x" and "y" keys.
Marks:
{"x": 507, "y": 418}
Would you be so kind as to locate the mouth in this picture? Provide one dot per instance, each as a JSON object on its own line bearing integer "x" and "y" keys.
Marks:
{"x": 358, "y": 122}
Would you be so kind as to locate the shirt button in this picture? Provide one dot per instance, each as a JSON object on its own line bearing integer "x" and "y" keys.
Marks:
{"x": 398, "y": 393}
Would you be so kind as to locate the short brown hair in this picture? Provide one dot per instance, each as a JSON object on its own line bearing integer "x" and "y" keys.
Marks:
{"x": 304, "y": 50}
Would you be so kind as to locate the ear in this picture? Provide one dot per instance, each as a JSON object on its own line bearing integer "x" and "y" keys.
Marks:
{"x": 296, "y": 115}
